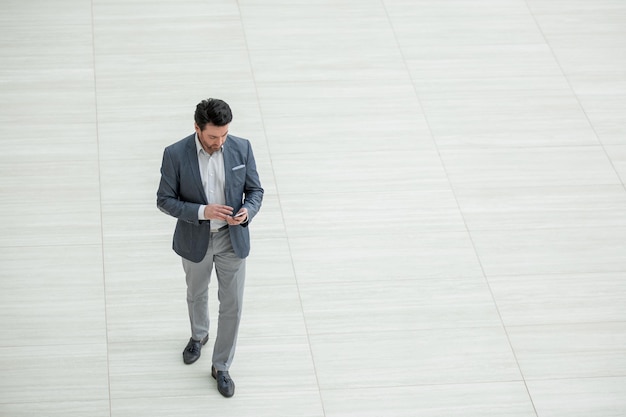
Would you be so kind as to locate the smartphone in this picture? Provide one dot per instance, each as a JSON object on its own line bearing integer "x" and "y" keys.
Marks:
{"x": 239, "y": 214}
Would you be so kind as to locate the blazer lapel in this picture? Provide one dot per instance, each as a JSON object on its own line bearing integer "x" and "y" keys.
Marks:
{"x": 192, "y": 155}
{"x": 229, "y": 162}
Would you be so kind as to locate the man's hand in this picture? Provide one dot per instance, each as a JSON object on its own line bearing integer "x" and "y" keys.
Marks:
{"x": 217, "y": 212}
{"x": 238, "y": 218}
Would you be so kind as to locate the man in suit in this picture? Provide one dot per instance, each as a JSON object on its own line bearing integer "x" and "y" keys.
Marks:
{"x": 209, "y": 182}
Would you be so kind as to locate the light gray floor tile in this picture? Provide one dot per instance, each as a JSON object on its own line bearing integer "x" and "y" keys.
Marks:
{"x": 603, "y": 97}
{"x": 270, "y": 262}
{"x": 373, "y": 66}
{"x": 274, "y": 365}
{"x": 296, "y": 25}
{"x": 617, "y": 154}
{"x": 272, "y": 311}
{"x": 99, "y": 408}
{"x": 405, "y": 130}
{"x": 335, "y": 172}
{"x": 41, "y": 11}
{"x": 601, "y": 397}
{"x": 155, "y": 368}
{"x": 62, "y": 39}
{"x": 515, "y": 65}
{"x": 453, "y": 400}
{"x": 49, "y": 70}
{"x": 265, "y": 168}
{"x": 348, "y": 122}
{"x": 551, "y": 251}
{"x": 461, "y": 23}
{"x": 147, "y": 315}
{"x": 43, "y": 303}
{"x": 405, "y": 358}
{"x": 70, "y": 143}
{"x": 504, "y": 112}
{"x": 283, "y": 404}
{"x": 397, "y": 305}
{"x": 61, "y": 374}
{"x": 66, "y": 94}
{"x": 165, "y": 27}
{"x": 548, "y": 207}
{"x": 570, "y": 350}
{"x": 269, "y": 222}
{"x": 49, "y": 203}
{"x": 497, "y": 167}
{"x": 317, "y": 214}
{"x": 580, "y": 24}
{"x": 128, "y": 192}
{"x": 364, "y": 257}
{"x": 560, "y": 299}
{"x": 585, "y": 38}
{"x": 142, "y": 262}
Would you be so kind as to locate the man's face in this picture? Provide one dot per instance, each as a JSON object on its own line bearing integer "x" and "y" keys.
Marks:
{"x": 212, "y": 137}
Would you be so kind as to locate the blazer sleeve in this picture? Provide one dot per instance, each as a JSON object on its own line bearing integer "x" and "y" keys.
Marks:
{"x": 168, "y": 195}
{"x": 253, "y": 192}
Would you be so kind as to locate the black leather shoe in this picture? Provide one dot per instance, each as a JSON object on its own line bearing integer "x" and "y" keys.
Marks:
{"x": 225, "y": 384}
{"x": 193, "y": 349}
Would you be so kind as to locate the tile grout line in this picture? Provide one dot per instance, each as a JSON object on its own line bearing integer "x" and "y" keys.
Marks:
{"x": 571, "y": 88}
{"x": 467, "y": 229}
{"x": 104, "y": 287}
{"x": 280, "y": 207}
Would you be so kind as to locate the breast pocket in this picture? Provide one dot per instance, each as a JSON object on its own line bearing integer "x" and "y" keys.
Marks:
{"x": 238, "y": 175}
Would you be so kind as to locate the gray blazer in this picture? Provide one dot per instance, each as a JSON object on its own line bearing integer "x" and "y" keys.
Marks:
{"x": 180, "y": 194}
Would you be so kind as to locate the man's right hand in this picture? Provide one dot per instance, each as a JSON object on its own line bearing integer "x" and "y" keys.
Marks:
{"x": 217, "y": 212}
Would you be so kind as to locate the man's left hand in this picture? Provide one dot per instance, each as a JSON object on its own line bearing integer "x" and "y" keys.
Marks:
{"x": 239, "y": 218}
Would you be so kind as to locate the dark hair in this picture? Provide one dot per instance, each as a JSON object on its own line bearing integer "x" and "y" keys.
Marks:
{"x": 212, "y": 111}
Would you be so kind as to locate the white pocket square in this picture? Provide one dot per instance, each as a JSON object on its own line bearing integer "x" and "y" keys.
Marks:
{"x": 238, "y": 167}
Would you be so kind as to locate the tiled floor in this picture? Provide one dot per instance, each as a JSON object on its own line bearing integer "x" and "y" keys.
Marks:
{"x": 443, "y": 232}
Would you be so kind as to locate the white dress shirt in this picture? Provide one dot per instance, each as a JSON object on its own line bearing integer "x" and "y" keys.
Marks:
{"x": 213, "y": 178}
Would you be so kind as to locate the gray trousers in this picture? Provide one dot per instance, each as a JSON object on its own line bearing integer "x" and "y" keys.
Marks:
{"x": 231, "y": 273}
